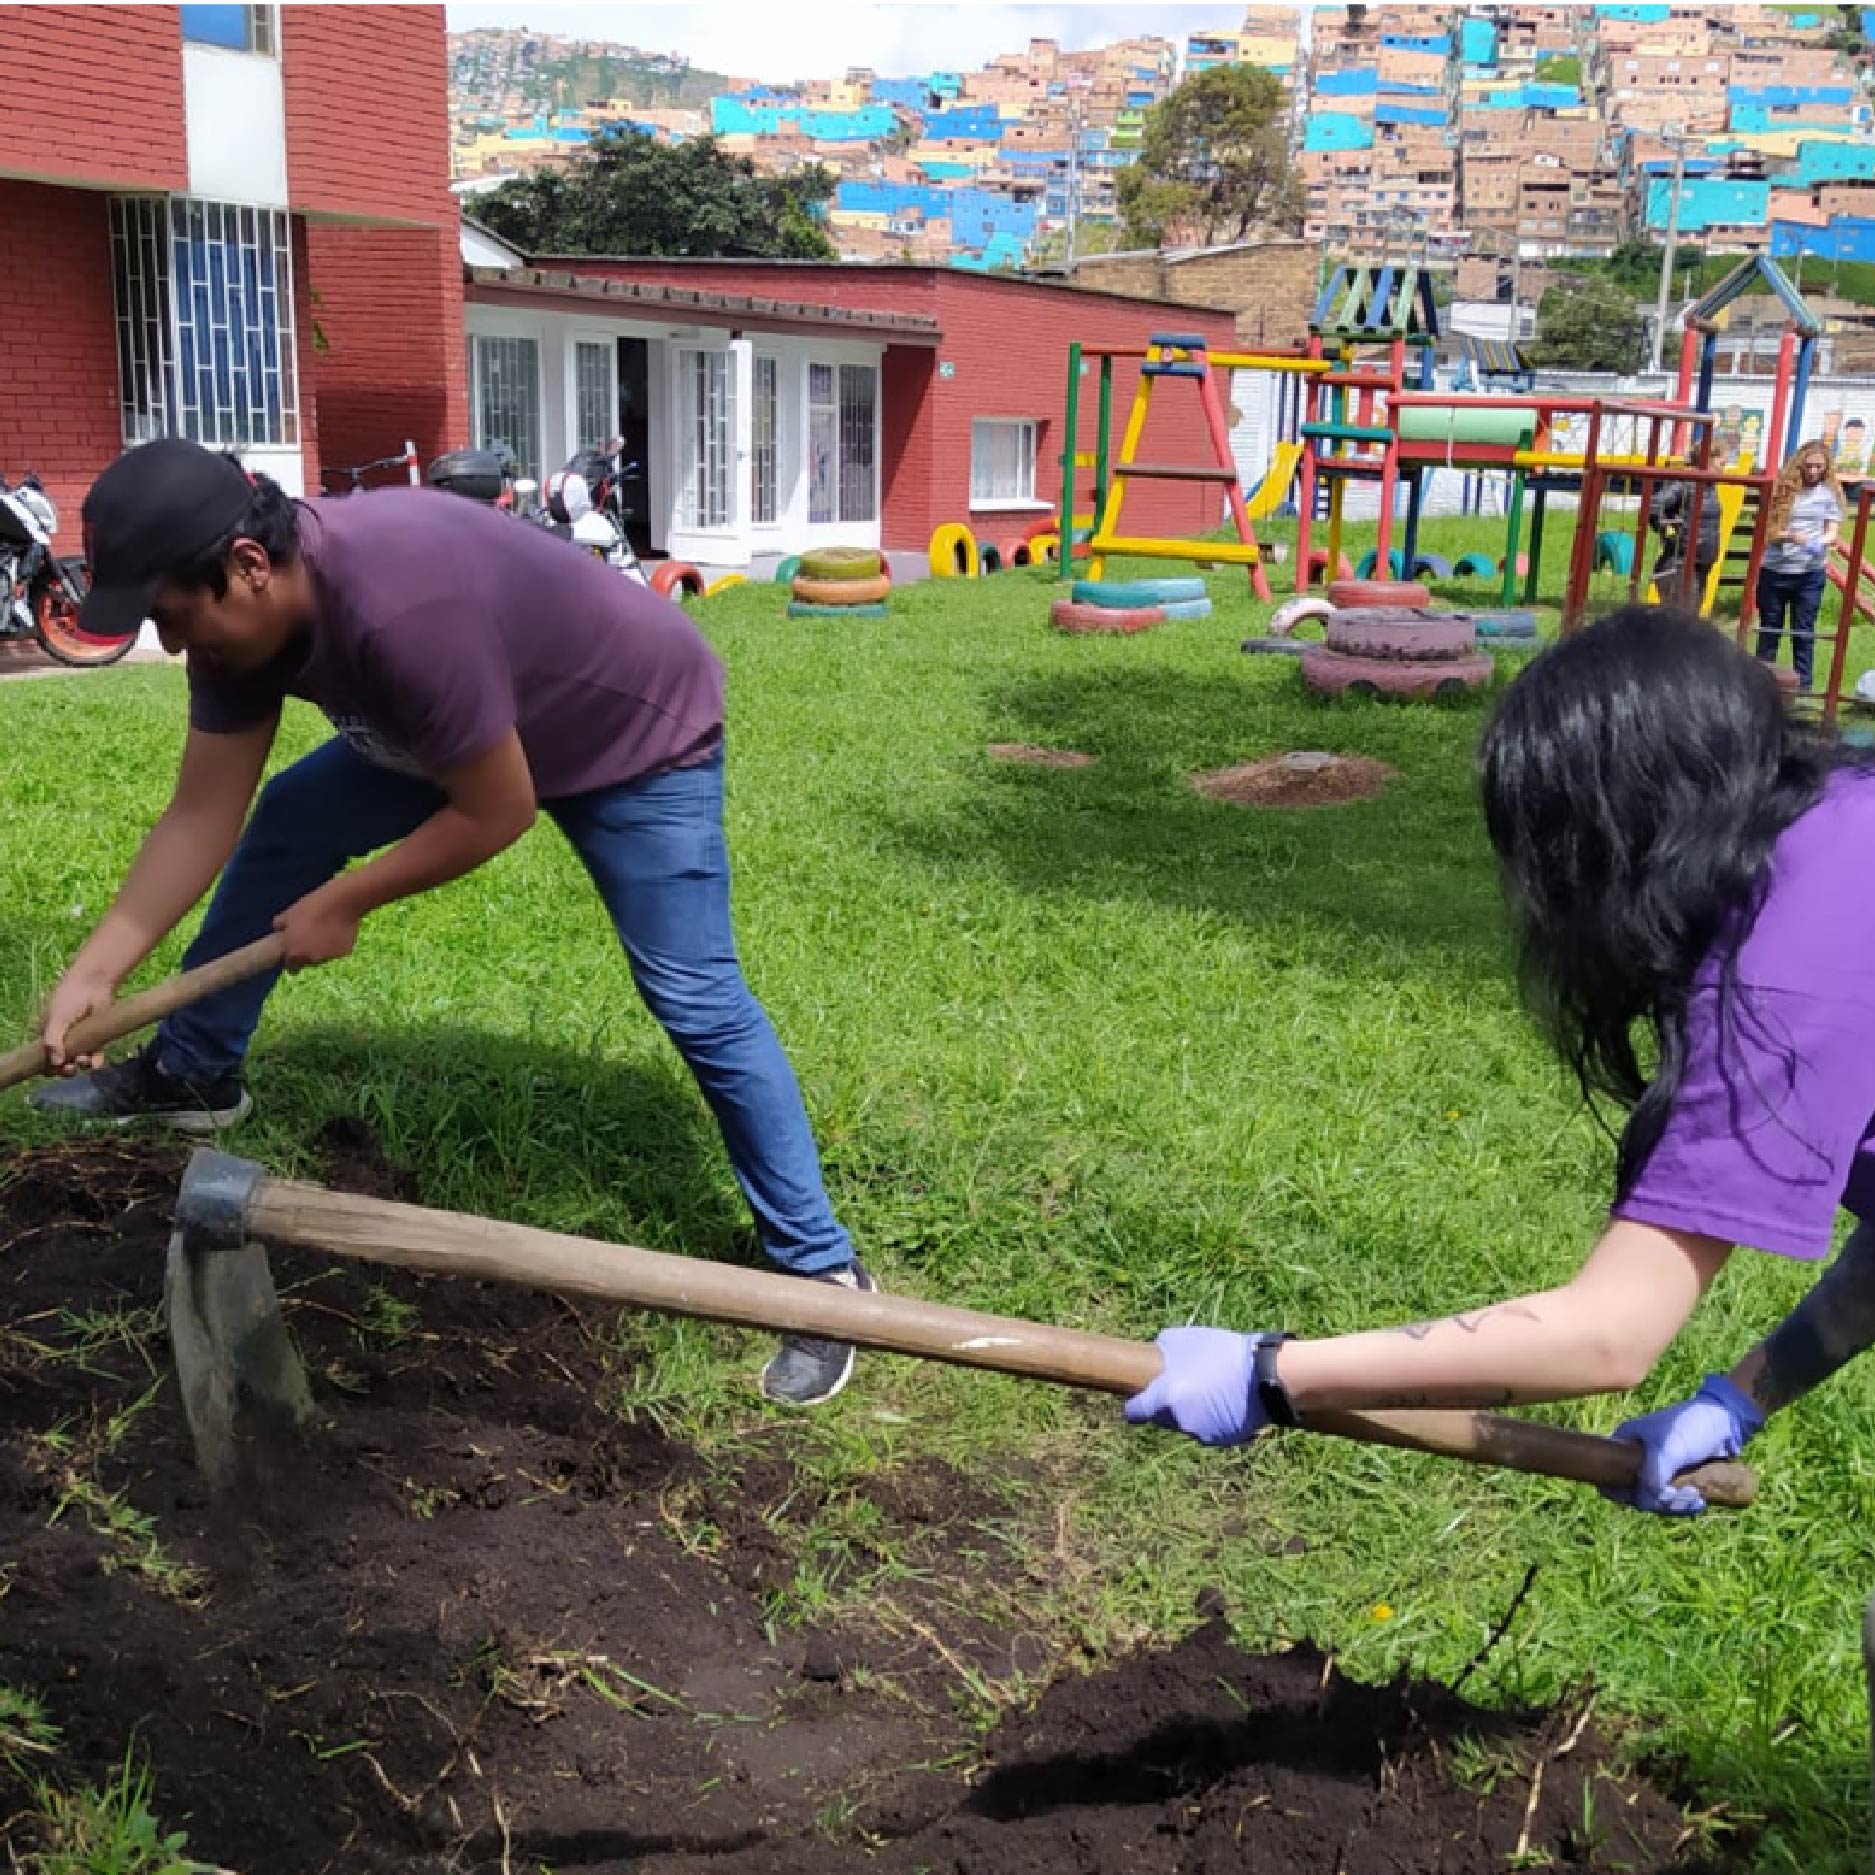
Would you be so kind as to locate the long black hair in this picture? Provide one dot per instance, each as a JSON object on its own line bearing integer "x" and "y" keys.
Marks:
{"x": 1636, "y": 777}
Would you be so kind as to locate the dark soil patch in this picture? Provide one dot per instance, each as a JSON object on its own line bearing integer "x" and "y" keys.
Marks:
{"x": 1039, "y": 757}
{"x": 1303, "y": 778}
{"x": 486, "y": 1625}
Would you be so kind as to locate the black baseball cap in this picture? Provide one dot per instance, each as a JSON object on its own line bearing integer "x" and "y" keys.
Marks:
{"x": 156, "y": 509}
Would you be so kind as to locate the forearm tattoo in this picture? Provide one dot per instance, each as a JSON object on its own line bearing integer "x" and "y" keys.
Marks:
{"x": 1832, "y": 1325}
{"x": 1470, "y": 1324}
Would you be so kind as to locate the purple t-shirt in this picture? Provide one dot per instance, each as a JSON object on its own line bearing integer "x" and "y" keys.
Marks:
{"x": 442, "y": 624}
{"x": 1774, "y": 1127}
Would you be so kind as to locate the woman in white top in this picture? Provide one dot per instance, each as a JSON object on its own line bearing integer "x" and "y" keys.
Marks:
{"x": 1806, "y": 512}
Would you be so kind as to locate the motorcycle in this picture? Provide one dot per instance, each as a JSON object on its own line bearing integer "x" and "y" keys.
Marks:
{"x": 585, "y": 503}
{"x": 41, "y": 591}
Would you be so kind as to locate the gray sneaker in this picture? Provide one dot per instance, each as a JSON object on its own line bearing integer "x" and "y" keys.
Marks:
{"x": 139, "y": 1088}
{"x": 807, "y": 1370}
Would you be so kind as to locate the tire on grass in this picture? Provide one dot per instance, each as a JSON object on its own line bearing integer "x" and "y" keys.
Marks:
{"x": 1083, "y": 620}
{"x": 677, "y": 579}
{"x": 1395, "y": 635}
{"x": 839, "y": 592}
{"x": 1125, "y": 594}
{"x": 828, "y": 563}
{"x": 1328, "y": 673}
{"x": 1346, "y": 594}
{"x": 953, "y": 553}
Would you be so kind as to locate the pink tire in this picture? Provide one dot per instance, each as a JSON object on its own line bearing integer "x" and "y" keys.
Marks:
{"x": 1384, "y": 633}
{"x": 1331, "y": 675}
{"x": 676, "y": 579}
{"x": 1346, "y": 594}
{"x": 1292, "y": 612}
{"x": 1066, "y": 616}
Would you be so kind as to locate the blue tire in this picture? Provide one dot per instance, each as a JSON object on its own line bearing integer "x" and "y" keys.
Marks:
{"x": 1475, "y": 566}
{"x": 1126, "y": 595}
{"x": 1431, "y": 566}
{"x": 799, "y": 608}
{"x": 1187, "y": 608}
{"x": 1396, "y": 563}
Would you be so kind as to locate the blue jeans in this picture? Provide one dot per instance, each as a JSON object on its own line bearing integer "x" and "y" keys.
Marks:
{"x": 655, "y": 849}
{"x": 1797, "y": 596}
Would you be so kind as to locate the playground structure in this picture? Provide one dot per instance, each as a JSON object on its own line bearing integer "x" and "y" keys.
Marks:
{"x": 1176, "y": 356}
{"x": 1379, "y": 323}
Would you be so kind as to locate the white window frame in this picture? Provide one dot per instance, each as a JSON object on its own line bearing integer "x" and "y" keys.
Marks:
{"x": 250, "y": 297}
{"x": 831, "y": 409}
{"x": 524, "y": 466}
{"x": 1023, "y": 499}
{"x": 705, "y": 466}
{"x": 606, "y": 340}
{"x": 778, "y": 486}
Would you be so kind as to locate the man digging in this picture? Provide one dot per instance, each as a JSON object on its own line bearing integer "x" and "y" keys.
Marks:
{"x": 476, "y": 669}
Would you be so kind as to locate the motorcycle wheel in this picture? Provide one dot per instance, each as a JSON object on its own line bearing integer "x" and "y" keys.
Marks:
{"x": 55, "y": 601}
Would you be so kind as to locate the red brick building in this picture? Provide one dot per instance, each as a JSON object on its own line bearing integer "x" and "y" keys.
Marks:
{"x": 226, "y": 222}
{"x": 779, "y": 404}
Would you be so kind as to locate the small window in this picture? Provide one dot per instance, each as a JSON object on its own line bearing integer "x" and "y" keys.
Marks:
{"x": 234, "y": 29}
{"x": 1002, "y": 460}
{"x": 595, "y": 392}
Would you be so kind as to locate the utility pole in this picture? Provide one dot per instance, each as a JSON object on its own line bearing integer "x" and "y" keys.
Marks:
{"x": 1666, "y": 257}
{"x": 1074, "y": 177}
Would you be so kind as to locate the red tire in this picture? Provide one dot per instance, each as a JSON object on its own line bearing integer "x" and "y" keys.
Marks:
{"x": 1346, "y": 594}
{"x": 841, "y": 591}
{"x": 1015, "y": 551}
{"x": 1332, "y": 675}
{"x": 677, "y": 579}
{"x": 1318, "y": 567}
{"x": 1066, "y": 616}
{"x": 1042, "y": 524}
{"x": 1385, "y": 633}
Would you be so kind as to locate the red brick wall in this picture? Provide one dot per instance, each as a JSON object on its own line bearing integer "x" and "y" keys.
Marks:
{"x": 58, "y": 345}
{"x": 1009, "y": 343}
{"x": 92, "y": 94}
{"x": 367, "y": 133}
{"x": 367, "y": 111}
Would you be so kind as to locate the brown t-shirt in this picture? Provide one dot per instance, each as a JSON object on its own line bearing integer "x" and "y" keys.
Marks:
{"x": 442, "y": 624}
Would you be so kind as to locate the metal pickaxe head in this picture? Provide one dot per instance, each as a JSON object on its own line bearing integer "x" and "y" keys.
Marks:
{"x": 230, "y": 1339}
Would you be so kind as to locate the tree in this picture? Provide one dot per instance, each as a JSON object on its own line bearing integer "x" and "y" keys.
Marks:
{"x": 627, "y": 193}
{"x": 1213, "y": 162}
{"x": 1589, "y": 325}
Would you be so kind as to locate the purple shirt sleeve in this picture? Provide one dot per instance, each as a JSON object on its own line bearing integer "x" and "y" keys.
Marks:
{"x": 440, "y": 684}
{"x": 1771, "y": 1113}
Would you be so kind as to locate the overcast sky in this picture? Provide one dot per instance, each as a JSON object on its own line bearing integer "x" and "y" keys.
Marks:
{"x": 786, "y": 39}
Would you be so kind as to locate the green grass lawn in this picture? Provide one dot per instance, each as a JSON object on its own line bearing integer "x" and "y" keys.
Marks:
{"x": 1086, "y": 1046}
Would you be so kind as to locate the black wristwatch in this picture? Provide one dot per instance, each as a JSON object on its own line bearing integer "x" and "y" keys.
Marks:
{"x": 1271, "y": 1394}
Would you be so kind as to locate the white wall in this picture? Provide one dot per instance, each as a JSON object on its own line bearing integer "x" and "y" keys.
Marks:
{"x": 236, "y": 121}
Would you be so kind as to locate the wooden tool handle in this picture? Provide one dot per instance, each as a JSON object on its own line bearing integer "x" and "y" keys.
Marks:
{"x": 444, "y": 1243}
{"x": 132, "y": 1013}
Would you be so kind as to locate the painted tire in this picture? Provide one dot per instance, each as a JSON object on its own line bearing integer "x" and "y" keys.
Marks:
{"x": 1505, "y": 625}
{"x": 1396, "y": 563}
{"x": 1044, "y": 549}
{"x": 839, "y": 592}
{"x": 953, "y": 553}
{"x": 786, "y": 571}
{"x": 1278, "y": 647}
{"x": 1614, "y": 553}
{"x": 1474, "y": 566}
{"x": 1318, "y": 567}
{"x": 1347, "y": 594}
{"x": 1432, "y": 566}
{"x": 677, "y": 579}
{"x": 1187, "y": 608}
{"x": 1387, "y": 634}
{"x": 1523, "y": 566}
{"x": 989, "y": 559}
{"x": 724, "y": 584}
{"x": 1042, "y": 524}
{"x": 1066, "y": 616}
{"x": 1330, "y": 674}
{"x": 1015, "y": 551}
{"x": 800, "y": 609}
{"x": 1293, "y": 612}
{"x": 1125, "y": 593}
{"x": 842, "y": 563}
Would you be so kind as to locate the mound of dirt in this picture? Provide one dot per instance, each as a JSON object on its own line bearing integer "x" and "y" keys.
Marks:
{"x": 1302, "y": 778}
{"x": 486, "y": 1625}
{"x": 1039, "y": 757}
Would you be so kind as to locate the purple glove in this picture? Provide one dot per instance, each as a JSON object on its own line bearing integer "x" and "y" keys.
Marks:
{"x": 1714, "y": 1423}
{"x": 1205, "y": 1387}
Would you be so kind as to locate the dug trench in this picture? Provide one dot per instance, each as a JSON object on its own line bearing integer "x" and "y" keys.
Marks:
{"x": 484, "y": 1625}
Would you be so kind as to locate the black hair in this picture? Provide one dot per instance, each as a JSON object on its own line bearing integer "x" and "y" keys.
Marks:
{"x": 271, "y": 520}
{"x": 1636, "y": 778}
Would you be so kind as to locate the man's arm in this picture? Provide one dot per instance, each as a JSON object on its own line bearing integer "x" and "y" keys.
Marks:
{"x": 177, "y": 863}
{"x": 1833, "y": 1323}
{"x": 491, "y": 804}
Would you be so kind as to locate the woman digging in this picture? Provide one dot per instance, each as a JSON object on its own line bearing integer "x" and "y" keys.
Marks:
{"x": 1679, "y": 860}
{"x": 1806, "y": 514}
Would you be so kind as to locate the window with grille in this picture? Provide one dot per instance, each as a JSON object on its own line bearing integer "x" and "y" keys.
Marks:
{"x": 1002, "y": 461}
{"x": 766, "y": 441}
{"x": 233, "y": 28}
{"x": 507, "y": 398}
{"x": 595, "y": 393}
{"x": 205, "y": 334}
{"x": 842, "y": 445}
{"x": 705, "y": 425}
